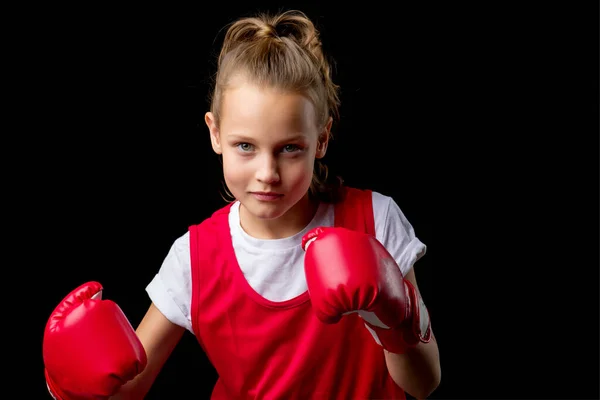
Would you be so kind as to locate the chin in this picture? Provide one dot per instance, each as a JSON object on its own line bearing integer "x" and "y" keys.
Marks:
{"x": 268, "y": 212}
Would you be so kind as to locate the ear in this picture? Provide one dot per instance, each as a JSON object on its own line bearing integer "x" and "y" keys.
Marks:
{"x": 215, "y": 136}
{"x": 324, "y": 139}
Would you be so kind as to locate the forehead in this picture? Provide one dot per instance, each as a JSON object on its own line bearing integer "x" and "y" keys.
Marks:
{"x": 248, "y": 107}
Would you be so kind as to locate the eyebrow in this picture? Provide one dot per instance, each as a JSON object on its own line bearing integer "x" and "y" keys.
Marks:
{"x": 243, "y": 138}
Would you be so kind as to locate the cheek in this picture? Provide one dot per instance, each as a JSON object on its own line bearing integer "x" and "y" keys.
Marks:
{"x": 298, "y": 172}
{"x": 232, "y": 171}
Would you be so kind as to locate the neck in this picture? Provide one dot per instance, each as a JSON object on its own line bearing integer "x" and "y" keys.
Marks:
{"x": 290, "y": 223}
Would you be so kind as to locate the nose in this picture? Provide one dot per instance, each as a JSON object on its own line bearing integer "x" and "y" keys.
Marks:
{"x": 268, "y": 170}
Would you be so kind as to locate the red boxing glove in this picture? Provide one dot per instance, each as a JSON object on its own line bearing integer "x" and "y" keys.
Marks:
{"x": 90, "y": 348}
{"x": 348, "y": 271}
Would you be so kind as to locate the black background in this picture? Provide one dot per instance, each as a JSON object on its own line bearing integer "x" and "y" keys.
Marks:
{"x": 475, "y": 117}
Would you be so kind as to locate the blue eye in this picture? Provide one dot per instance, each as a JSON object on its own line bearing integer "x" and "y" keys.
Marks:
{"x": 290, "y": 148}
{"x": 244, "y": 146}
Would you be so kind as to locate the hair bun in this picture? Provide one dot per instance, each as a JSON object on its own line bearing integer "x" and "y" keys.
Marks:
{"x": 267, "y": 31}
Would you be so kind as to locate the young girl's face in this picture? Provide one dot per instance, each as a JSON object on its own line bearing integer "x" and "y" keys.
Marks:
{"x": 269, "y": 140}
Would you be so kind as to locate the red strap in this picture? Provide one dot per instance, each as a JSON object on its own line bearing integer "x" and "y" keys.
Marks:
{"x": 195, "y": 271}
{"x": 356, "y": 211}
{"x": 202, "y": 237}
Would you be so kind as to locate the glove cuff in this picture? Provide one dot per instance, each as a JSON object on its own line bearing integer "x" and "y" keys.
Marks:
{"x": 419, "y": 329}
{"x": 415, "y": 329}
{"x": 54, "y": 391}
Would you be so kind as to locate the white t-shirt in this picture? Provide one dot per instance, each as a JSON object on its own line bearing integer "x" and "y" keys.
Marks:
{"x": 274, "y": 268}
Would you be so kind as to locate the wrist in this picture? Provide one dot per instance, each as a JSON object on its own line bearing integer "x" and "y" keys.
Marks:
{"x": 414, "y": 329}
{"x": 418, "y": 325}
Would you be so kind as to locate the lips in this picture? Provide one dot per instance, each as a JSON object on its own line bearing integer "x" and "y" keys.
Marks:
{"x": 267, "y": 196}
{"x": 267, "y": 193}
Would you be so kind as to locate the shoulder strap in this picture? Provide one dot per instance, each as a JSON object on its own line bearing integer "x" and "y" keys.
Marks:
{"x": 356, "y": 211}
{"x": 202, "y": 239}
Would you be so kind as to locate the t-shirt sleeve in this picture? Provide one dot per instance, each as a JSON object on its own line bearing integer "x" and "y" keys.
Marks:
{"x": 171, "y": 288}
{"x": 395, "y": 232}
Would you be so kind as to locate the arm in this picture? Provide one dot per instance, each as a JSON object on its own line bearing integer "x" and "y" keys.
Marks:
{"x": 159, "y": 337}
{"x": 366, "y": 278}
{"x": 418, "y": 370}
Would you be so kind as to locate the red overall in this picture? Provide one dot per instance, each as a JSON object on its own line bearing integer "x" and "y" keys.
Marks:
{"x": 280, "y": 350}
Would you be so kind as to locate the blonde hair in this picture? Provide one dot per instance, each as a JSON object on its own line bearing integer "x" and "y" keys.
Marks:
{"x": 283, "y": 51}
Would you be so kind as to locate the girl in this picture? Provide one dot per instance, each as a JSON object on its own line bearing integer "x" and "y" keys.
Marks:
{"x": 237, "y": 281}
